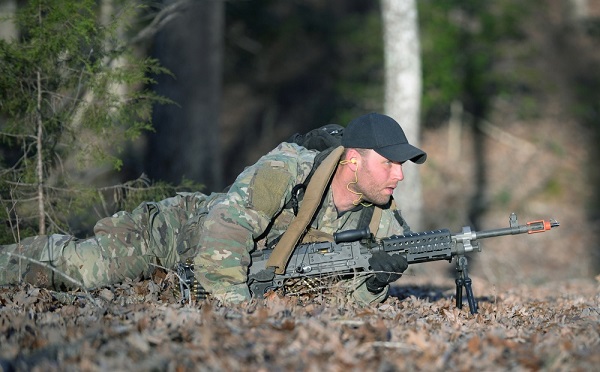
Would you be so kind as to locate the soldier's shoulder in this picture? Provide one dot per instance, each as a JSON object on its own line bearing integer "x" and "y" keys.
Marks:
{"x": 292, "y": 149}
{"x": 291, "y": 152}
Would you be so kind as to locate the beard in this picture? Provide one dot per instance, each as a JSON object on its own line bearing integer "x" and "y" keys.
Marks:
{"x": 373, "y": 192}
{"x": 377, "y": 198}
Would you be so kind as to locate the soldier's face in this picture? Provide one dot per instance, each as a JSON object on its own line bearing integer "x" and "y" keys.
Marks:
{"x": 378, "y": 177}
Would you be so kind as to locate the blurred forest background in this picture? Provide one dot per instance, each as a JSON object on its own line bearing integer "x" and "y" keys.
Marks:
{"x": 510, "y": 111}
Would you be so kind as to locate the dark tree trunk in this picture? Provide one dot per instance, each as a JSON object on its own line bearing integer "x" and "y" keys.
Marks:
{"x": 186, "y": 143}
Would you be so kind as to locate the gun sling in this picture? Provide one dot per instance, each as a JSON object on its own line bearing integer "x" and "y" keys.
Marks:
{"x": 312, "y": 198}
{"x": 311, "y": 201}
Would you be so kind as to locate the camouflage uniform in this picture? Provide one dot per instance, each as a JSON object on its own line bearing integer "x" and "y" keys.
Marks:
{"x": 218, "y": 231}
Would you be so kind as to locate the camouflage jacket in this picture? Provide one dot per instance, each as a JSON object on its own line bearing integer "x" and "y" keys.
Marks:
{"x": 253, "y": 213}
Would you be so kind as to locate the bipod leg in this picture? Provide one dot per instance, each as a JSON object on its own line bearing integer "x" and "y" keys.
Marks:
{"x": 459, "y": 286}
{"x": 463, "y": 280}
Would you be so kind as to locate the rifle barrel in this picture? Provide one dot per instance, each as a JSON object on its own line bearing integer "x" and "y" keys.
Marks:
{"x": 501, "y": 232}
{"x": 530, "y": 227}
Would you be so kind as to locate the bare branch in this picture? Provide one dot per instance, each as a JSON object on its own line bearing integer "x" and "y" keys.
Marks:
{"x": 54, "y": 225}
{"x": 161, "y": 19}
{"x": 21, "y": 136}
{"x": 181, "y": 281}
{"x": 13, "y": 228}
{"x": 44, "y": 265}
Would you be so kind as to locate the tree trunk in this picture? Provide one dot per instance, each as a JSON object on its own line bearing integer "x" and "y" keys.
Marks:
{"x": 403, "y": 87}
{"x": 40, "y": 160}
{"x": 186, "y": 142}
{"x": 8, "y": 29}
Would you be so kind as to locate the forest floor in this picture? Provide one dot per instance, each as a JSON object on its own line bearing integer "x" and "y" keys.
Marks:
{"x": 141, "y": 326}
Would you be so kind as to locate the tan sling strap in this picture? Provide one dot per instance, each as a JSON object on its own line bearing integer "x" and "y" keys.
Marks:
{"x": 311, "y": 201}
{"x": 376, "y": 218}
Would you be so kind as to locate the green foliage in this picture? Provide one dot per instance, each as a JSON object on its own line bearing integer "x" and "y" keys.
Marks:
{"x": 441, "y": 59}
{"x": 70, "y": 88}
{"x": 504, "y": 197}
{"x": 360, "y": 87}
{"x": 553, "y": 188}
{"x": 465, "y": 49}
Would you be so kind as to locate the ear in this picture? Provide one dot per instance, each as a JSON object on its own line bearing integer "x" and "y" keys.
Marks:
{"x": 353, "y": 156}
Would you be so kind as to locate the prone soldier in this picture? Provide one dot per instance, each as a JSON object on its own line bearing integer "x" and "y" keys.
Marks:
{"x": 219, "y": 231}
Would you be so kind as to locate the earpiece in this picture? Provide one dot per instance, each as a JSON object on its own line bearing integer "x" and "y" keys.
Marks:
{"x": 353, "y": 161}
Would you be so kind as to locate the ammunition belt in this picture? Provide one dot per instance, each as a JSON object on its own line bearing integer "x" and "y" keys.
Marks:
{"x": 189, "y": 287}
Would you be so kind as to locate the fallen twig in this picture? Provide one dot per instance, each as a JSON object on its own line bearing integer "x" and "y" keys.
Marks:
{"x": 181, "y": 281}
{"x": 67, "y": 277}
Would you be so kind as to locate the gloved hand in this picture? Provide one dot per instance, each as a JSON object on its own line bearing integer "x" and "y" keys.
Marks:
{"x": 387, "y": 269}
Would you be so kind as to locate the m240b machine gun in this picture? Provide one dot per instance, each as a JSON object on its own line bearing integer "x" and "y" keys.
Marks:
{"x": 351, "y": 250}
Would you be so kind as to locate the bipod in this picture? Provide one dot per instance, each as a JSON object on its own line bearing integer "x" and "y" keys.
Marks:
{"x": 463, "y": 280}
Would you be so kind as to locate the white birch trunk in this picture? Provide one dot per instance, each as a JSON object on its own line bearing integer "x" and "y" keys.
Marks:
{"x": 403, "y": 88}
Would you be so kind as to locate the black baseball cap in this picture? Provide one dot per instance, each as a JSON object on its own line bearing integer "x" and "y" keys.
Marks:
{"x": 382, "y": 134}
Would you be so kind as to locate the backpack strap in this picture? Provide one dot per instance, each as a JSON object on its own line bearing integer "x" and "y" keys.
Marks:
{"x": 311, "y": 201}
{"x": 300, "y": 189}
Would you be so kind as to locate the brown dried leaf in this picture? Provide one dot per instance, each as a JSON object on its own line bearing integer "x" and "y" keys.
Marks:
{"x": 418, "y": 339}
{"x": 474, "y": 344}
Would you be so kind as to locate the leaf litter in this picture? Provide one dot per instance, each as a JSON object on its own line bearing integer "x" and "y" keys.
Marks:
{"x": 141, "y": 325}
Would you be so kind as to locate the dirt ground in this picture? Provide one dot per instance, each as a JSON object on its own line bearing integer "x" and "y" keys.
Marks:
{"x": 140, "y": 326}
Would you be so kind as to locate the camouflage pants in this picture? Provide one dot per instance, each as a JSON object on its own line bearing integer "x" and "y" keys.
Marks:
{"x": 123, "y": 246}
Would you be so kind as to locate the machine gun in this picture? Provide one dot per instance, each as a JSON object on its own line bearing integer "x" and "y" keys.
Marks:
{"x": 351, "y": 250}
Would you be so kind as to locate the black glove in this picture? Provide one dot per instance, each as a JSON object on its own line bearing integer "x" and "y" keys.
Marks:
{"x": 387, "y": 269}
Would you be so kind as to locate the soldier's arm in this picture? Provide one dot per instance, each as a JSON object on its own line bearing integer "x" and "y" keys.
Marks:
{"x": 231, "y": 227}
{"x": 389, "y": 225}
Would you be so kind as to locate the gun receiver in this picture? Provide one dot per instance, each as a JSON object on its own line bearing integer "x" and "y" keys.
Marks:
{"x": 352, "y": 249}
